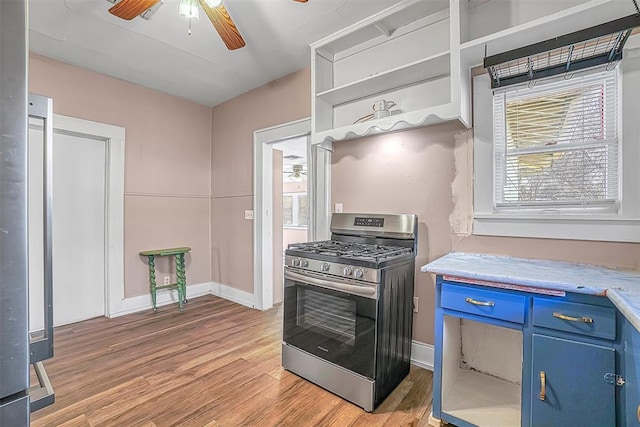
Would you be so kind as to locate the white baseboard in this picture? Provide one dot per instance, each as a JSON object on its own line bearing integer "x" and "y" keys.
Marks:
{"x": 164, "y": 297}
{"x": 422, "y": 355}
{"x": 232, "y": 294}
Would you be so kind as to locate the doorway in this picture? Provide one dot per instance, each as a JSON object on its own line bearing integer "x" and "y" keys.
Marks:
{"x": 290, "y": 202}
{"x": 266, "y": 258}
{"x": 87, "y": 220}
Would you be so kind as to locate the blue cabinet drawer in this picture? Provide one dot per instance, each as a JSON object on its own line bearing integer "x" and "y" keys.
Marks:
{"x": 577, "y": 318}
{"x": 497, "y": 305}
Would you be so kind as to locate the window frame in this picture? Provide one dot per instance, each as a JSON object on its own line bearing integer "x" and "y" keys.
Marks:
{"x": 610, "y": 123}
{"x": 581, "y": 224}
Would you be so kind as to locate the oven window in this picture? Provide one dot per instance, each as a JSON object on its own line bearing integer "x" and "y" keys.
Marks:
{"x": 330, "y": 324}
{"x": 328, "y": 314}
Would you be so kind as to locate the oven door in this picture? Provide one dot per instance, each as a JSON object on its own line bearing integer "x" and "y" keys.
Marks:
{"x": 332, "y": 318}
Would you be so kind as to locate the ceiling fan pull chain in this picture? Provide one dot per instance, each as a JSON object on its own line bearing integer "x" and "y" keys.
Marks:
{"x": 189, "y": 32}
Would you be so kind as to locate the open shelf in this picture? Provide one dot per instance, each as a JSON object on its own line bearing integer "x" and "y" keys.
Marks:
{"x": 482, "y": 18}
{"x": 415, "y": 50}
{"x": 425, "y": 69}
{"x": 481, "y": 373}
{"x": 402, "y": 55}
{"x": 582, "y": 15}
{"x": 483, "y": 400}
{"x": 408, "y": 120}
{"x": 381, "y": 26}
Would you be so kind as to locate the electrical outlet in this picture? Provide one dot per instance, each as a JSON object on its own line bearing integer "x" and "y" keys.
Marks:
{"x": 415, "y": 304}
{"x": 338, "y": 208}
{"x": 167, "y": 280}
{"x": 248, "y": 214}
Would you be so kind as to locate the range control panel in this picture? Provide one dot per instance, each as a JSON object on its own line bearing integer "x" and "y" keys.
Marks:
{"x": 368, "y": 222}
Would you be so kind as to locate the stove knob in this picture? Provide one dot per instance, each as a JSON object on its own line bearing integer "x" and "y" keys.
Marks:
{"x": 304, "y": 263}
{"x": 295, "y": 262}
{"x": 347, "y": 271}
{"x": 358, "y": 273}
{"x": 324, "y": 266}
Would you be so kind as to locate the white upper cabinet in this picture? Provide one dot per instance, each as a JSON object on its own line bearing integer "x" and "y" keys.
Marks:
{"x": 402, "y": 55}
{"x": 418, "y": 54}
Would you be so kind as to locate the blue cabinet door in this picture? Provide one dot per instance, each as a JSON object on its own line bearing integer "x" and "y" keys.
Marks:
{"x": 568, "y": 386}
{"x": 632, "y": 375}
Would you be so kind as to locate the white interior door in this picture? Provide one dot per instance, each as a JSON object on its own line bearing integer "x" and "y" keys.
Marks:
{"x": 79, "y": 194}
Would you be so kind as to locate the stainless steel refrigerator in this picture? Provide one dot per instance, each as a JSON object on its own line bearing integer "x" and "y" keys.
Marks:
{"x": 18, "y": 347}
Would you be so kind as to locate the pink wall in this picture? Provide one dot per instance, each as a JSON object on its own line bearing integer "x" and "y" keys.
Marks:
{"x": 294, "y": 187}
{"x": 167, "y": 162}
{"x": 233, "y": 124}
{"x": 413, "y": 172}
{"x": 293, "y": 235}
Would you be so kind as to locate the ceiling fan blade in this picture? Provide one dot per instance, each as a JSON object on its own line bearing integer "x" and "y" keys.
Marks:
{"x": 302, "y": 1}
{"x": 129, "y": 9}
{"x": 224, "y": 25}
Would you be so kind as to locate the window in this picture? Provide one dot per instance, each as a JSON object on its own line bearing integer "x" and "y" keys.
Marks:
{"x": 295, "y": 211}
{"x": 556, "y": 146}
{"x": 559, "y": 159}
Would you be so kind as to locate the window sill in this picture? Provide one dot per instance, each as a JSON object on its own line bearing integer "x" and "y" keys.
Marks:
{"x": 553, "y": 227}
{"x": 292, "y": 227}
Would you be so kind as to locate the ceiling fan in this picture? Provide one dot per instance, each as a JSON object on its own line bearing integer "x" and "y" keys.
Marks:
{"x": 215, "y": 10}
{"x": 298, "y": 172}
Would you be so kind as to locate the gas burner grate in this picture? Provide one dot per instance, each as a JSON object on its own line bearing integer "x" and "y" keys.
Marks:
{"x": 360, "y": 251}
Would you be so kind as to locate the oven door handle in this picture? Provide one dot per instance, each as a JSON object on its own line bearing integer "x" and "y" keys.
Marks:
{"x": 364, "y": 291}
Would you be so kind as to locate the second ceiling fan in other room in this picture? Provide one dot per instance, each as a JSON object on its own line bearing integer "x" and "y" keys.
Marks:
{"x": 215, "y": 10}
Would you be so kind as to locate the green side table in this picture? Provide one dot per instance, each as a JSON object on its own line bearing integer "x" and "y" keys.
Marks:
{"x": 181, "y": 276}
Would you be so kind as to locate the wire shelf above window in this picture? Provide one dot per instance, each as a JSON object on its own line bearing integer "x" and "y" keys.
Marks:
{"x": 598, "y": 45}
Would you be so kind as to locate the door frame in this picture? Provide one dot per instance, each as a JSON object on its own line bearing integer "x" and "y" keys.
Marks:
{"x": 319, "y": 167}
{"x": 114, "y": 138}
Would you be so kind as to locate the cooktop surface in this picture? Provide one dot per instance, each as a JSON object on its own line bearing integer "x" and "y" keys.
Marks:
{"x": 347, "y": 250}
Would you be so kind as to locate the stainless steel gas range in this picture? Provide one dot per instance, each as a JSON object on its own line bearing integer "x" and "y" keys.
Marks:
{"x": 348, "y": 306}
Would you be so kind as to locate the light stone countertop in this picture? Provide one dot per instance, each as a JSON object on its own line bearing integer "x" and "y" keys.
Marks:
{"x": 622, "y": 287}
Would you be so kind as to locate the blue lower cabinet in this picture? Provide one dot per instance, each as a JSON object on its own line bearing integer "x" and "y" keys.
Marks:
{"x": 632, "y": 375}
{"x": 580, "y": 359}
{"x": 571, "y": 383}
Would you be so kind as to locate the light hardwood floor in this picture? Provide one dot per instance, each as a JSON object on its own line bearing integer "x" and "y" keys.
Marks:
{"x": 216, "y": 364}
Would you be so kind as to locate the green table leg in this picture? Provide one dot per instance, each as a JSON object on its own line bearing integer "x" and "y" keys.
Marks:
{"x": 181, "y": 279}
{"x": 152, "y": 280}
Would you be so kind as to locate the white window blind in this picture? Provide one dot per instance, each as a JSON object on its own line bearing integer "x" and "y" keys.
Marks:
{"x": 556, "y": 144}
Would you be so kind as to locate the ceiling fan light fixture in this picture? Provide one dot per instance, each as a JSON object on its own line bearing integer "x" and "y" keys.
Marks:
{"x": 213, "y": 3}
{"x": 297, "y": 174}
{"x": 189, "y": 8}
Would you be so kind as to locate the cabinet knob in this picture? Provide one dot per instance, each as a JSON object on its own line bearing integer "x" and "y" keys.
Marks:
{"x": 543, "y": 386}
{"x": 638, "y": 413}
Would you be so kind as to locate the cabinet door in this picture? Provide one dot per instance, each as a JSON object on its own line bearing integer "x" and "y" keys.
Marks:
{"x": 575, "y": 391}
{"x": 632, "y": 375}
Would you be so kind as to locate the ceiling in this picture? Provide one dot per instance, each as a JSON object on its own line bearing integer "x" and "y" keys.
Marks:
{"x": 159, "y": 54}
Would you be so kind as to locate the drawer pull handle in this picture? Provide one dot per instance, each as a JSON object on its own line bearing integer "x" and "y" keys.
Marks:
{"x": 543, "y": 385}
{"x": 484, "y": 303}
{"x": 573, "y": 319}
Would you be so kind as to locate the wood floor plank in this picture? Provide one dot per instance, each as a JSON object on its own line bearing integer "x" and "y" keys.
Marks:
{"x": 79, "y": 421}
{"x": 217, "y": 364}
